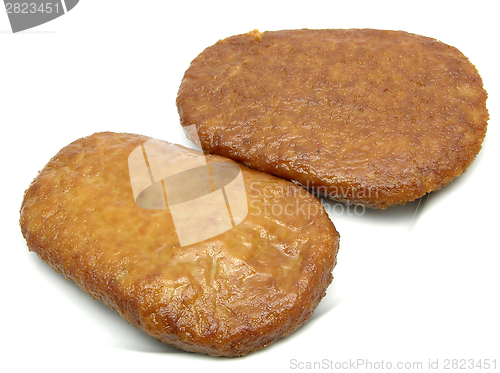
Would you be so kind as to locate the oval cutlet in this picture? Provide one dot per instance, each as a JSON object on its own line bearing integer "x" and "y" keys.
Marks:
{"x": 227, "y": 295}
{"x": 364, "y": 116}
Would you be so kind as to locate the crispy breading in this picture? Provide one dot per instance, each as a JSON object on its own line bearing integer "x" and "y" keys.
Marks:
{"x": 227, "y": 295}
{"x": 365, "y": 116}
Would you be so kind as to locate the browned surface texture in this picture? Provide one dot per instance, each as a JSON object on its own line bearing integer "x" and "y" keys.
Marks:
{"x": 366, "y": 116}
{"x": 228, "y": 295}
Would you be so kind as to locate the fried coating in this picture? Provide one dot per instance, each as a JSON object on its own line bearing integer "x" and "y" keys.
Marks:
{"x": 227, "y": 295}
{"x": 365, "y": 116}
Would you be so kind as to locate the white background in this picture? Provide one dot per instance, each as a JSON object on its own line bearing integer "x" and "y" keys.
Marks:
{"x": 408, "y": 287}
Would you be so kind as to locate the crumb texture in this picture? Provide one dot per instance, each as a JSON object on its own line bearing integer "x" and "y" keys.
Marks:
{"x": 366, "y": 116}
{"x": 228, "y": 295}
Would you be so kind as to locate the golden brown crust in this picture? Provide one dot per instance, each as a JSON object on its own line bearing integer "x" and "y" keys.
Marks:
{"x": 367, "y": 116}
{"x": 227, "y": 296}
